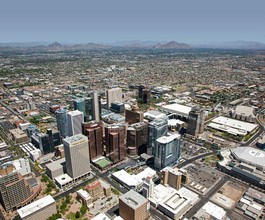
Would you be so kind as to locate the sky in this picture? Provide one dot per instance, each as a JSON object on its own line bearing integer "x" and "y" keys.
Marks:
{"x": 83, "y": 21}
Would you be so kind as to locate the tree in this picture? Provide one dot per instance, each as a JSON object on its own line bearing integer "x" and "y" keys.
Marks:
{"x": 83, "y": 209}
{"x": 67, "y": 199}
{"x": 77, "y": 214}
{"x": 55, "y": 216}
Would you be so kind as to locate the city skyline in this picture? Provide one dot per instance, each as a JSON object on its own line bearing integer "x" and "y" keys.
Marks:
{"x": 107, "y": 22}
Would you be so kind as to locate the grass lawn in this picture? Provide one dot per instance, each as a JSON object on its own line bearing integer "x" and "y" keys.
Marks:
{"x": 104, "y": 162}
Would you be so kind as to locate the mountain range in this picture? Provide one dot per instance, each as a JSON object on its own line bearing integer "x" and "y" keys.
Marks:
{"x": 132, "y": 44}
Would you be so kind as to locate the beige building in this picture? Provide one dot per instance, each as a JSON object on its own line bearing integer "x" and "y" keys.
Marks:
{"x": 173, "y": 177}
{"x": 77, "y": 156}
{"x": 19, "y": 136}
{"x": 133, "y": 206}
{"x": 41, "y": 209}
{"x": 95, "y": 190}
{"x": 106, "y": 188}
{"x": 114, "y": 95}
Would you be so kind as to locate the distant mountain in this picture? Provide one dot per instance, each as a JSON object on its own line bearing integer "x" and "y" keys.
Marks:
{"x": 52, "y": 46}
{"x": 24, "y": 44}
{"x": 136, "y": 43}
{"x": 172, "y": 45}
{"x": 234, "y": 45}
{"x": 55, "y": 46}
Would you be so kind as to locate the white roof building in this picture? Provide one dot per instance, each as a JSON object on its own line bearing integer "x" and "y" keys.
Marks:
{"x": 133, "y": 181}
{"x": 173, "y": 203}
{"x": 232, "y": 126}
{"x": 101, "y": 216}
{"x": 250, "y": 155}
{"x": 177, "y": 109}
{"x": 43, "y": 208}
{"x": 63, "y": 180}
{"x": 209, "y": 211}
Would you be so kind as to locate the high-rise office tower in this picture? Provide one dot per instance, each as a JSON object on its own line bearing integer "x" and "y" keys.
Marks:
{"x": 114, "y": 95}
{"x": 133, "y": 206}
{"x": 89, "y": 112}
{"x": 15, "y": 191}
{"x": 156, "y": 129}
{"x": 196, "y": 122}
{"x": 80, "y": 105}
{"x": 140, "y": 91}
{"x": 46, "y": 142}
{"x": 115, "y": 140}
{"x": 74, "y": 121}
{"x": 148, "y": 187}
{"x": 146, "y": 96}
{"x": 96, "y": 107}
{"x": 171, "y": 177}
{"x": 174, "y": 177}
{"x": 61, "y": 120}
{"x": 167, "y": 150}
{"x": 94, "y": 132}
{"x": 77, "y": 156}
{"x": 137, "y": 138}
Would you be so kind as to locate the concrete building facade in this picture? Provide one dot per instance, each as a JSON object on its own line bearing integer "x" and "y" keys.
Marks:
{"x": 77, "y": 156}
{"x": 133, "y": 206}
{"x": 74, "y": 121}
{"x": 113, "y": 95}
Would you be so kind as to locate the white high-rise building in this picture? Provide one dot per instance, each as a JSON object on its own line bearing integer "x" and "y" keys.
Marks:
{"x": 74, "y": 121}
{"x": 96, "y": 106}
{"x": 77, "y": 156}
{"x": 114, "y": 95}
{"x": 148, "y": 187}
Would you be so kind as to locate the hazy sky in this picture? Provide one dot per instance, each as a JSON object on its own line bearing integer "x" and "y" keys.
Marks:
{"x": 190, "y": 21}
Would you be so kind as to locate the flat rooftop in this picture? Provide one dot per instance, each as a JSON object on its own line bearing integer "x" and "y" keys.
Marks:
{"x": 153, "y": 114}
{"x": 214, "y": 210}
{"x": 75, "y": 113}
{"x": 178, "y": 109}
{"x": 84, "y": 194}
{"x": 133, "y": 199}
{"x": 75, "y": 138}
{"x": 226, "y": 123}
{"x": 133, "y": 180}
{"x": 168, "y": 139}
{"x": 55, "y": 165}
{"x": 63, "y": 179}
{"x": 35, "y": 206}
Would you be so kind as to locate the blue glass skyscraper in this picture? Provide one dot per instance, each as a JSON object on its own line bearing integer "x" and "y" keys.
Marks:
{"x": 61, "y": 120}
{"x": 80, "y": 105}
{"x": 156, "y": 129}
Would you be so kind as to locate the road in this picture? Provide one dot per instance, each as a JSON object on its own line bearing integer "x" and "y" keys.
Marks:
{"x": 191, "y": 160}
{"x": 97, "y": 175}
{"x": 204, "y": 199}
{"x": 73, "y": 189}
{"x": 11, "y": 110}
{"x": 257, "y": 134}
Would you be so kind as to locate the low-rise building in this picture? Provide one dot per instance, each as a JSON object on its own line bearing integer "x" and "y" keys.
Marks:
{"x": 18, "y": 135}
{"x": 84, "y": 197}
{"x": 95, "y": 190}
{"x": 56, "y": 168}
{"x": 40, "y": 209}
